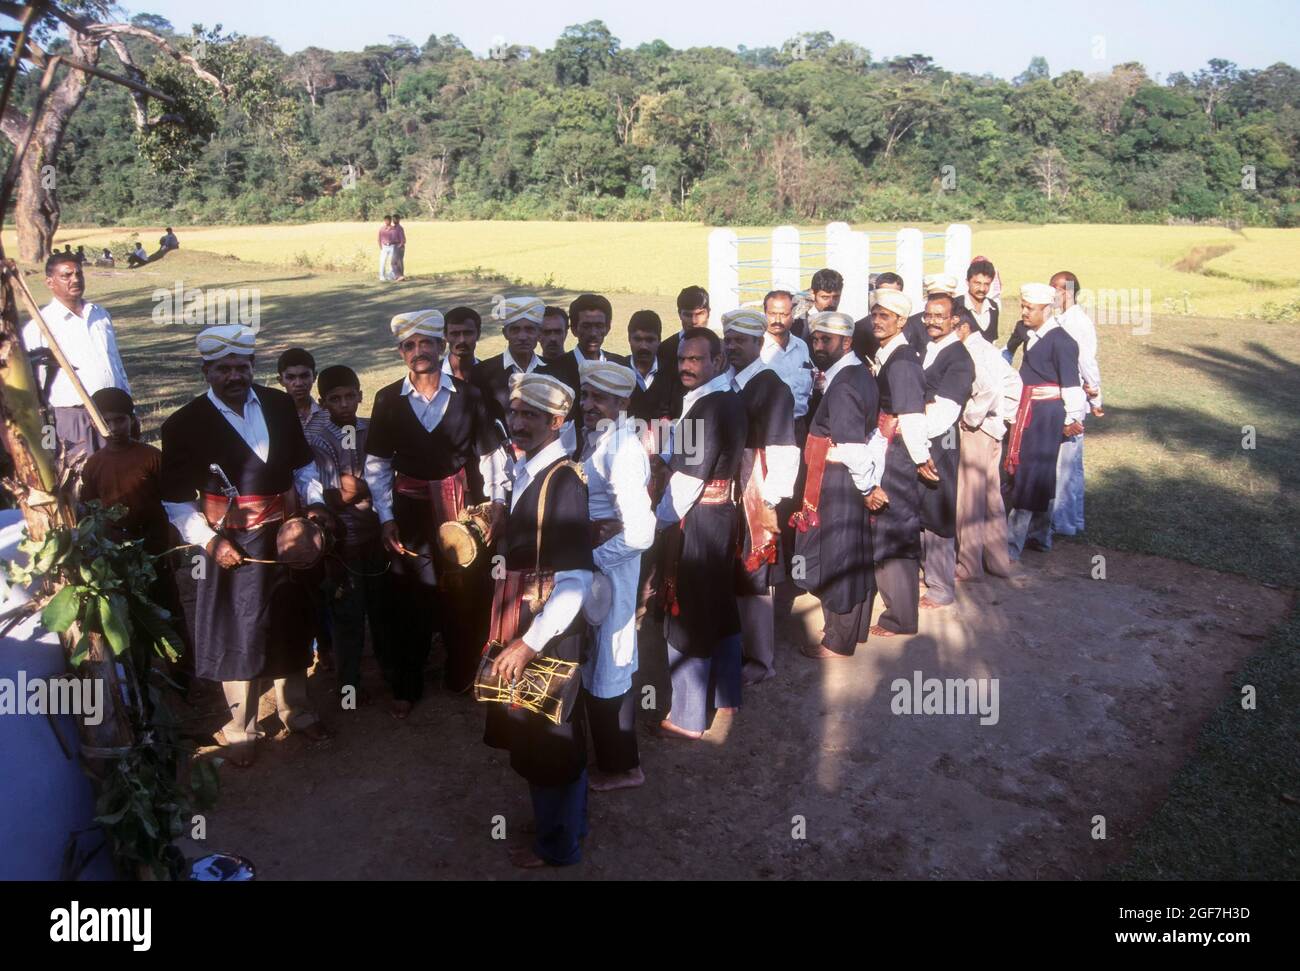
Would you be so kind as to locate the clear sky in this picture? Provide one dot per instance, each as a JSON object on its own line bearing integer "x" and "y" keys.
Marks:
{"x": 975, "y": 36}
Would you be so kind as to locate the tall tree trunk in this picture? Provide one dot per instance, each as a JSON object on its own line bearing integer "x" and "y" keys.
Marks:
{"x": 36, "y": 201}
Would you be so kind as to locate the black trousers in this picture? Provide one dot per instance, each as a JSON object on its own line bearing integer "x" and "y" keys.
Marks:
{"x": 844, "y": 632}
{"x": 464, "y": 609}
{"x": 613, "y": 730}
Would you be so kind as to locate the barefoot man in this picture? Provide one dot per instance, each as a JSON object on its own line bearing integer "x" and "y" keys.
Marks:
{"x": 622, "y": 527}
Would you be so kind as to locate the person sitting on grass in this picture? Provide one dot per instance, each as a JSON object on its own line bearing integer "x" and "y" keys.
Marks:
{"x": 137, "y": 257}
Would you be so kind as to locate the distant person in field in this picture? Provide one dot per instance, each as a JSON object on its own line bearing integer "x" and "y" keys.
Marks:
{"x": 398, "y": 235}
{"x": 84, "y": 331}
{"x": 978, "y": 302}
{"x": 827, "y": 287}
{"x": 137, "y": 257}
{"x": 692, "y": 312}
{"x": 463, "y": 327}
{"x": 1051, "y": 409}
{"x": 555, "y": 329}
{"x": 81, "y": 256}
{"x": 1067, "y": 506}
{"x": 386, "y": 250}
{"x": 105, "y": 258}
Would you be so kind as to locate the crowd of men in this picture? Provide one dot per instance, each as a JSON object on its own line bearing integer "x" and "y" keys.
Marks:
{"x": 702, "y": 482}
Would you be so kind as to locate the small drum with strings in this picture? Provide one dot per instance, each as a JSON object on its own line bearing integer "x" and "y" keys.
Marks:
{"x": 462, "y": 541}
{"x": 300, "y": 543}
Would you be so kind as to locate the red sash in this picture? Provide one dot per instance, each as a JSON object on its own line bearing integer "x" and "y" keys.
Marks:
{"x": 1024, "y": 415}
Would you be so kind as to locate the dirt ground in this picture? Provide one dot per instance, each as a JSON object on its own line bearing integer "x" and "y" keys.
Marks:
{"x": 1103, "y": 685}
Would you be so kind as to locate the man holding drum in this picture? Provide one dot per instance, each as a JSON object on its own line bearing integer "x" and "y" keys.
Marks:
{"x": 432, "y": 450}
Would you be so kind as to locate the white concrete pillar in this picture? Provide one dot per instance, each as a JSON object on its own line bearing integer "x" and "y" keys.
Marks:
{"x": 849, "y": 253}
{"x": 724, "y": 275}
{"x": 785, "y": 259}
{"x": 957, "y": 253}
{"x": 909, "y": 255}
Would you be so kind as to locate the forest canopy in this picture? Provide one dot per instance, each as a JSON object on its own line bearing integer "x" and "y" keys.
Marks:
{"x": 811, "y": 131}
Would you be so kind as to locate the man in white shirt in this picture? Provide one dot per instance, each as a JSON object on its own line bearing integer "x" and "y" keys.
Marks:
{"x": 623, "y": 528}
{"x": 981, "y": 515}
{"x": 84, "y": 332}
{"x": 1067, "y": 507}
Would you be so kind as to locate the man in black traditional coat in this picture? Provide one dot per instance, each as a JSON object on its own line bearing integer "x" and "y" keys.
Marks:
{"x": 949, "y": 376}
{"x": 431, "y": 451}
{"x": 521, "y": 320}
{"x": 548, "y": 503}
{"x": 701, "y": 621}
{"x": 896, "y": 528}
{"x": 767, "y": 475}
{"x": 832, "y": 528}
{"x": 235, "y": 466}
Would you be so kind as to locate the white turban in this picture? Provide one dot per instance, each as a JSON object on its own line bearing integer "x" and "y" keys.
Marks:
{"x": 217, "y": 342}
{"x": 514, "y": 309}
{"x": 831, "y": 322}
{"x": 746, "y": 320}
{"x": 1038, "y": 293}
{"x": 895, "y": 301}
{"x": 426, "y": 322}
{"x": 941, "y": 283}
{"x": 542, "y": 392}
{"x": 609, "y": 377}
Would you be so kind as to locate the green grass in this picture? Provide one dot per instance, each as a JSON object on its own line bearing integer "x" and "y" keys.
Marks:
{"x": 1167, "y": 473}
{"x": 658, "y": 259}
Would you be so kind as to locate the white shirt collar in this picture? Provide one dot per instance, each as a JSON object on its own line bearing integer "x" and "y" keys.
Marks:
{"x": 252, "y": 399}
{"x": 720, "y": 383}
{"x": 509, "y": 362}
{"x": 743, "y": 378}
{"x": 444, "y": 381}
{"x": 57, "y": 311}
{"x": 1037, "y": 335}
{"x": 888, "y": 348}
{"x": 581, "y": 358}
{"x": 543, "y": 458}
{"x": 933, "y": 348}
{"x": 848, "y": 360}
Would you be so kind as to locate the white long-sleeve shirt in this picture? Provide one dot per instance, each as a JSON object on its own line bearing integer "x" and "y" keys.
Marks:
{"x": 1079, "y": 325}
{"x": 571, "y": 586}
{"x": 90, "y": 345}
{"x": 996, "y": 392}
{"x": 430, "y": 410}
{"x": 188, "y": 517}
{"x": 782, "y": 460}
{"x": 912, "y": 426}
{"x": 793, "y": 365}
